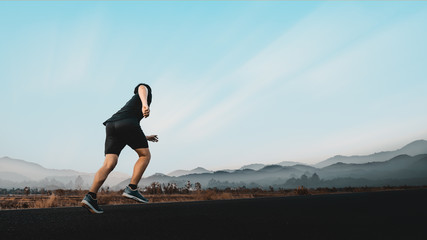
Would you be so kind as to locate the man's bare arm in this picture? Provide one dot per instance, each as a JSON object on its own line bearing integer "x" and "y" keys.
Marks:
{"x": 143, "y": 94}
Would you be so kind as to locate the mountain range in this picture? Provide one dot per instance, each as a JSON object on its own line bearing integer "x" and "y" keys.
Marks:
{"x": 15, "y": 173}
{"x": 383, "y": 167}
{"x": 412, "y": 149}
{"x": 409, "y": 162}
{"x": 402, "y": 169}
{"x": 178, "y": 173}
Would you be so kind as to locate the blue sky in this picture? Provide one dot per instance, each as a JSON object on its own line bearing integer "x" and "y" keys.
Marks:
{"x": 233, "y": 83}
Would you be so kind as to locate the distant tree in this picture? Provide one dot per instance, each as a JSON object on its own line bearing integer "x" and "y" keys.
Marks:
{"x": 105, "y": 189}
{"x": 78, "y": 184}
{"x": 315, "y": 177}
{"x": 301, "y": 190}
{"x": 197, "y": 186}
{"x": 303, "y": 180}
{"x": 69, "y": 185}
{"x": 27, "y": 190}
{"x": 171, "y": 188}
{"x": 304, "y": 177}
{"x": 213, "y": 183}
{"x": 188, "y": 186}
{"x": 315, "y": 180}
{"x": 155, "y": 188}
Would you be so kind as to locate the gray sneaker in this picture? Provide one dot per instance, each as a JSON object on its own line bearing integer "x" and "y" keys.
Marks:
{"x": 134, "y": 194}
{"x": 91, "y": 204}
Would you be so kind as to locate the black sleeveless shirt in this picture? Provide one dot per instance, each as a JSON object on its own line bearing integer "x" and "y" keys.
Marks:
{"x": 133, "y": 108}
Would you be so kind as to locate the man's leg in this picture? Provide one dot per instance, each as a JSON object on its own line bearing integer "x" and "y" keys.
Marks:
{"x": 140, "y": 165}
{"x": 131, "y": 191}
{"x": 102, "y": 174}
{"x": 89, "y": 201}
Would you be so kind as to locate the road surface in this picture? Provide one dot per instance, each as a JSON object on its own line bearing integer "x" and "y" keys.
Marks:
{"x": 378, "y": 215}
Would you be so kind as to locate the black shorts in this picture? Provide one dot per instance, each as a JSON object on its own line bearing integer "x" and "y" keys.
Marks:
{"x": 124, "y": 132}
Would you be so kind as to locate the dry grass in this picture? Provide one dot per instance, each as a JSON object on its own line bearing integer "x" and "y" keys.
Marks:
{"x": 113, "y": 198}
{"x": 72, "y": 198}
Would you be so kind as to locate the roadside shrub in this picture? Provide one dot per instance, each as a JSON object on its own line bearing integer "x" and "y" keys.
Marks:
{"x": 301, "y": 190}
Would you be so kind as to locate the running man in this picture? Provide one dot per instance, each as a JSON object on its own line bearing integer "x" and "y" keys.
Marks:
{"x": 123, "y": 129}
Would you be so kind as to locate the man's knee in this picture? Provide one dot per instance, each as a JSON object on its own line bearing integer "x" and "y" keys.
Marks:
{"x": 110, "y": 162}
{"x": 143, "y": 153}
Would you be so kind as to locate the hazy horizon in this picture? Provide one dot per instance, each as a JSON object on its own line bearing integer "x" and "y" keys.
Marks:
{"x": 234, "y": 83}
{"x": 239, "y": 167}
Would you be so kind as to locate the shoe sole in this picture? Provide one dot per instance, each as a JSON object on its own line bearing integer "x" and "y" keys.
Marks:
{"x": 89, "y": 207}
{"x": 134, "y": 198}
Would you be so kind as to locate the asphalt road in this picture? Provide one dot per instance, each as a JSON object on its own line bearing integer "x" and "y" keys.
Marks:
{"x": 377, "y": 215}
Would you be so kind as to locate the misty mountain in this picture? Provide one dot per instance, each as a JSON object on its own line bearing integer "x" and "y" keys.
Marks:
{"x": 15, "y": 173}
{"x": 289, "y": 163}
{"x": 415, "y": 148}
{"x": 264, "y": 176}
{"x": 30, "y": 170}
{"x": 402, "y": 166}
{"x": 403, "y": 169}
{"x": 255, "y": 166}
{"x": 258, "y": 166}
{"x": 399, "y": 171}
{"x": 178, "y": 173}
{"x": 390, "y": 167}
{"x": 14, "y": 177}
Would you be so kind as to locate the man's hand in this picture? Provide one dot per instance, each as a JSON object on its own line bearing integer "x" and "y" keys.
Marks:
{"x": 145, "y": 111}
{"x": 152, "y": 138}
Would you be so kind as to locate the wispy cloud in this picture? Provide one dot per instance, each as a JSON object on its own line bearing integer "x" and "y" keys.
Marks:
{"x": 297, "y": 51}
